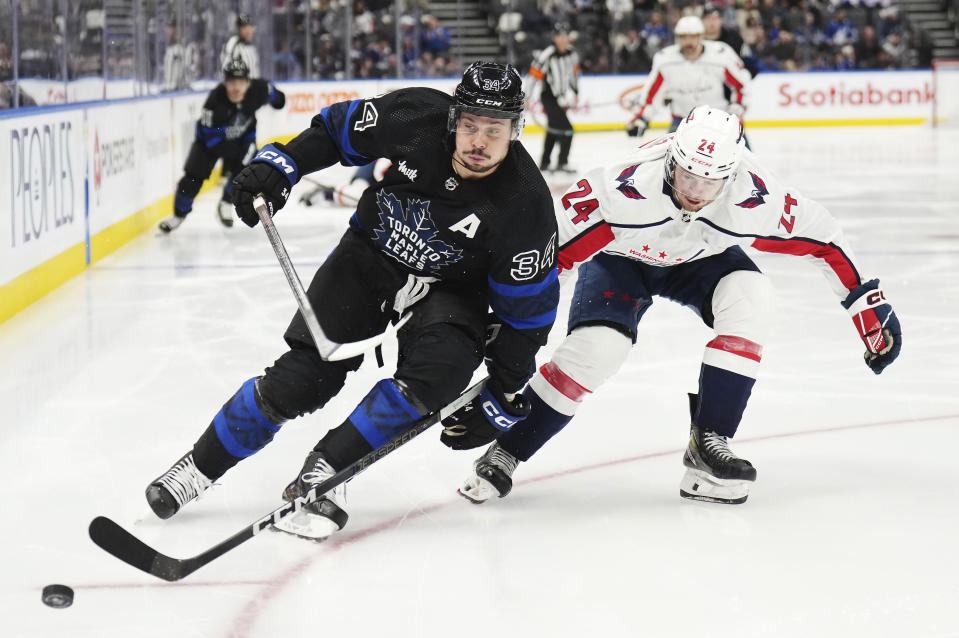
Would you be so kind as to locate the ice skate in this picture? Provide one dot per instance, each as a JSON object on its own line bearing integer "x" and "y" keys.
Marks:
{"x": 171, "y": 223}
{"x": 176, "y": 487}
{"x": 224, "y": 212}
{"x": 714, "y": 473}
{"x": 492, "y": 475}
{"x": 319, "y": 519}
{"x": 565, "y": 169}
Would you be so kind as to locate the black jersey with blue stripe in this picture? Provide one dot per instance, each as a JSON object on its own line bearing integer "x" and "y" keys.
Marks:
{"x": 497, "y": 234}
{"x": 223, "y": 121}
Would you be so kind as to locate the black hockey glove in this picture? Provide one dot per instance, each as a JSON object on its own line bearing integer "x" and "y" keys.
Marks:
{"x": 271, "y": 173}
{"x": 876, "y": 323}
{"x": 636, "y": 127}
{"x": 277, "y": 97}
{"x": 482, "y": 419}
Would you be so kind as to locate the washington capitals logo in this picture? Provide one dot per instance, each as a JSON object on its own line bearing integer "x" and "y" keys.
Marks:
{"x": 758, "y": 193}
{"x": 409, "y": 236}
{"x": 625, "y": 180}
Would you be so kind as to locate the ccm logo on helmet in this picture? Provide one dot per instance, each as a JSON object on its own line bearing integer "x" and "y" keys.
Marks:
{"x": 488, "y": 102}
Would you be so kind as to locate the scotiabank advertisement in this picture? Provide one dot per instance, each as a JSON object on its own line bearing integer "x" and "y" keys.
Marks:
{"x": 607, "y": 102}
{"x": 881, "y": 95}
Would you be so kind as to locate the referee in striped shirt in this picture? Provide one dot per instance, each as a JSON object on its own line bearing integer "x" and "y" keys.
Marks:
{"x": 554, "y": 78}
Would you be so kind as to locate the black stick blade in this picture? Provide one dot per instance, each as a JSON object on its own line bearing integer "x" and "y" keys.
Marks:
{"x": 115, "y": 540}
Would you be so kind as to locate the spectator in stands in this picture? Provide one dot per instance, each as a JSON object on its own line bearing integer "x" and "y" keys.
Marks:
{"x": 241, "y": 46}
{"x": 7, "y": 96}
{"x": 632, "y": 56}
{"x": 786, "y": 52}
{"x": 436, "y": 38}
{"x": 810, "y": 34}
{"x": 364, "y": 22}
{"x": 286, "y": 64}
{"x": 890, "y": 21}
{"x": 6, "y": 62}
{"x": 841, "y": 30}
{"x": 896, "y": 48}
{"x": 748, "y": 10}
{"x": 716, "y": 29}
{"x": 654, "y": 34}
{"x": 867, "y": 49}
{"x": 846, "y": 58}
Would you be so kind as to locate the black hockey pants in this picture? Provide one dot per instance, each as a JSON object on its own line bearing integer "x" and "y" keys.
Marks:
{"x": 198, "y": 166}
{"x": 352, "y": 294}
{"x": 560, "y": 130}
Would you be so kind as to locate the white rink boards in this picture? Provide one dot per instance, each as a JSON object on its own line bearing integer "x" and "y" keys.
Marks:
{"x": 849, "y": 530}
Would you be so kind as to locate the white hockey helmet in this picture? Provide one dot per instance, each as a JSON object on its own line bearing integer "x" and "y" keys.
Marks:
{"x": 689, "y": 25}
{"x": 708, "y": 142}
{"x": 704, "y": 152}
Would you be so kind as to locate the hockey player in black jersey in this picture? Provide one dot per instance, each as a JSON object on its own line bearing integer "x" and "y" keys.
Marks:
{"x": 461, "y": 222}
{"x": 226, "y": 129}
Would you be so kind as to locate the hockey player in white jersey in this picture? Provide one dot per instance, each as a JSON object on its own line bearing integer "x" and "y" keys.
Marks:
{"x": 691, "y": 72}
{"x": 671, "y": 220}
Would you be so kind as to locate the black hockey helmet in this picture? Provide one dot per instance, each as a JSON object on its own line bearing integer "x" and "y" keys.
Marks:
{"x": 561, "y": 28}
{"x": 490, "y": 89}
{"x": 236, "y": 68}
{"x": 243, "y": 20}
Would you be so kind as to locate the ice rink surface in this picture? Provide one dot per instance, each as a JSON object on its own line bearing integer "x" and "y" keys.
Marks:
{"x": 850, "y": 529}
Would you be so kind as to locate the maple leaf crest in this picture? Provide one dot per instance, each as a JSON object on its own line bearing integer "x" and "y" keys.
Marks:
{"x": 410, "y": 236}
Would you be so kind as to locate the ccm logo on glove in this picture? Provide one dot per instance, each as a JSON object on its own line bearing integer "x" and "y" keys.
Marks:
{"x": 497, "y": 418}
{"x": 280, "y": 160}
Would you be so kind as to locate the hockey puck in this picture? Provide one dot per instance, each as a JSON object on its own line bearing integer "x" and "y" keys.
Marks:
{"x": 58, "y": 596}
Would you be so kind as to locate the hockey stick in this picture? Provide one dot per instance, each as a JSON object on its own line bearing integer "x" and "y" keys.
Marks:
{"x": 115, "y": 540}
{"x": 329, "y": 350}
{"x": 548, "y": 129}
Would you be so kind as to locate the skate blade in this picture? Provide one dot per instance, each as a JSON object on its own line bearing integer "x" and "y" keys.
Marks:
{"x": 470, "y": 498}
{"x": 277, "y": 530}
{"x": 477, "y": 490}
{"x": 700, "y": 486}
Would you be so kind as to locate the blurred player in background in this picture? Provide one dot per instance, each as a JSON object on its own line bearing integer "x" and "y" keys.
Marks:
{"x": 554, "y": 79}
{"x": 671, "y": 220}
{"x": 692, "y": 72}
{"x": 226, "y": 129}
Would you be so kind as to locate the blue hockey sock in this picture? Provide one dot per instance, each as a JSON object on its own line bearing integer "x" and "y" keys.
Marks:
{"x": 383, "y": 414}
{"x": 532, "y": 433}
{"x": 182, "y": 204}
{"x": 240, "y": 425}
{"x": 723, "y": 396}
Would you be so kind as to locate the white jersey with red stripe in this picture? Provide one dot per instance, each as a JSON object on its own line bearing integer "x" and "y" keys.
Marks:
{"x": 626, "y": 208}
{"x": 691, "y": 83}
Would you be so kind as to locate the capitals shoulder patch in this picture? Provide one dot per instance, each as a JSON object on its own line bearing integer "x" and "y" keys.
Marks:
{"x": 758, "y": 195}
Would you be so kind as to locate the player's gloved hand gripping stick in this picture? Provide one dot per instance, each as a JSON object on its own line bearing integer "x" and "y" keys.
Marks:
{"x": 876, "y": 323}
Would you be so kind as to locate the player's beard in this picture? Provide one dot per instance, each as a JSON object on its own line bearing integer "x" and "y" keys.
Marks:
{"x": 479, "y": 170}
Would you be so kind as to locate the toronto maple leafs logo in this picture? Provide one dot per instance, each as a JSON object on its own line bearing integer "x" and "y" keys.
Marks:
{"x": 409, "y": 236}
{"x": 758, "y": 193}
{"x": 625, "y": 180}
